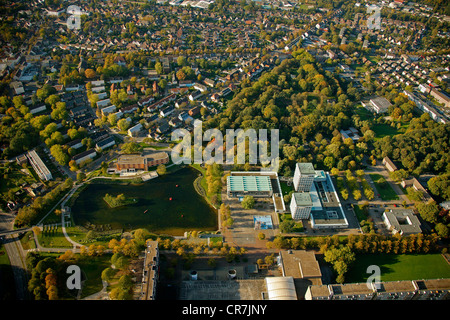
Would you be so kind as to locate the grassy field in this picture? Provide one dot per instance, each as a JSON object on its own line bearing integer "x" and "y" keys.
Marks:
{"x": 92, "y": 269}
{"x": 54, "y": 239}
{"x": 400, "y": 267}
{"x": 383, "y": 130}
{"x": 384, "y": 189}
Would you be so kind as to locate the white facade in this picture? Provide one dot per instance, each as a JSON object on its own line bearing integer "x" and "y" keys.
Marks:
{"x": 303, "y": 177}
{"x": 300, "y": 206}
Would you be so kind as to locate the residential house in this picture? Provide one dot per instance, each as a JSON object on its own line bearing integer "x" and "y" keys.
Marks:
{"x": 84, "y": 156}
{"x": 134, "y": 131}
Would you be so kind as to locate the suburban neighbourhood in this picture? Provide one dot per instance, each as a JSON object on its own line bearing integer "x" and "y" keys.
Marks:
{"x": 96, "y": 96}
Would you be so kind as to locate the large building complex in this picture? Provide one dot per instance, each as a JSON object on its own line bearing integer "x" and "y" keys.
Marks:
{"x": 434, "y": 289}
{"x": 316, "y": 198}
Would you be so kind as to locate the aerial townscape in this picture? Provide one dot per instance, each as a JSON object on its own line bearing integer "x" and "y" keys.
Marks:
{"x": 97, "y": 95}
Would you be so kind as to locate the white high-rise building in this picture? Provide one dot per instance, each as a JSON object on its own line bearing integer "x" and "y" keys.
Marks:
{"x": 304, "y": 177}
{"x": 301, "y": 205}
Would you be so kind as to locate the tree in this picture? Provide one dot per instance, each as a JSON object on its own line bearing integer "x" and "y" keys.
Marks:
{"x": 90, "y": 73}
{"x": 60, "y": 156}
{"x": 181, "y": 75}
{"x": 123, "y": 124}
{"x": 161, "y": 169}
{"x": 141, "y": 234}
{"x": 442, "y": 230}
{"x": 158, "y": 67}
{"x": 287, "y": 225}
{"x": 181, "y": 61}
{"x": 108, "y": 274}
{"x": 428, "y": 211}
{"x": 340, "y": 258}
{"x": 440, "y": 186}
{"x": 248, "y": 202}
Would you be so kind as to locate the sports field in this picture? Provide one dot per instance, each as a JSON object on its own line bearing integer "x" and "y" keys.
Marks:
{"x": 400, "y": 267}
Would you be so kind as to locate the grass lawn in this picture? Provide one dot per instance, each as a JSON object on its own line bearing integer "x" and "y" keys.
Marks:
{"x": 92, "y": 268}
{"x": 384, "y": 189}
{"x": 383, "y": 130}
{"x": 285, "y": 189}
{"x": 363, "y": 113}
{"x": 54, "y": 239}
{"x": 400, "y": 267}
{"x": 361, "y": 214}
{"x": 298, "y": 226}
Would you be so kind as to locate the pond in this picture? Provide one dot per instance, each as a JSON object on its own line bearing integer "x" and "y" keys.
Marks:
{"x": 167, "y": 204}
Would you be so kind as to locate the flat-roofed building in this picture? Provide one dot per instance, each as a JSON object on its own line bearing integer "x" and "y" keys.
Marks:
{"x": 327, "y": 210}
{"x": 257, "y": 186}
{"x": 351, "y": 291}
{"x": 39, "y": 166}
{"x": 150, "y": 272}
{"x": 379, "y": 104}
{"x": 134, "y": 162}
{"x": 304, "y": 177}
{"x": 433, "y": 289}
{"x": 318, "y": 292}
{"x": 402, "y": 221}
{"x": 301, "y": 205}
{"x": 394, "y": 290}
{"x": 351, "y": 133}
{"x": 300, "y": 264}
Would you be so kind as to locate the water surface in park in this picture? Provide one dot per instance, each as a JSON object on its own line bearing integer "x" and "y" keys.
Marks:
{"x": 161, "y": 206}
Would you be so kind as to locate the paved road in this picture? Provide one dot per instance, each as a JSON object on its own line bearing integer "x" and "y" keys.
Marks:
{"x": 16, "y": 256}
